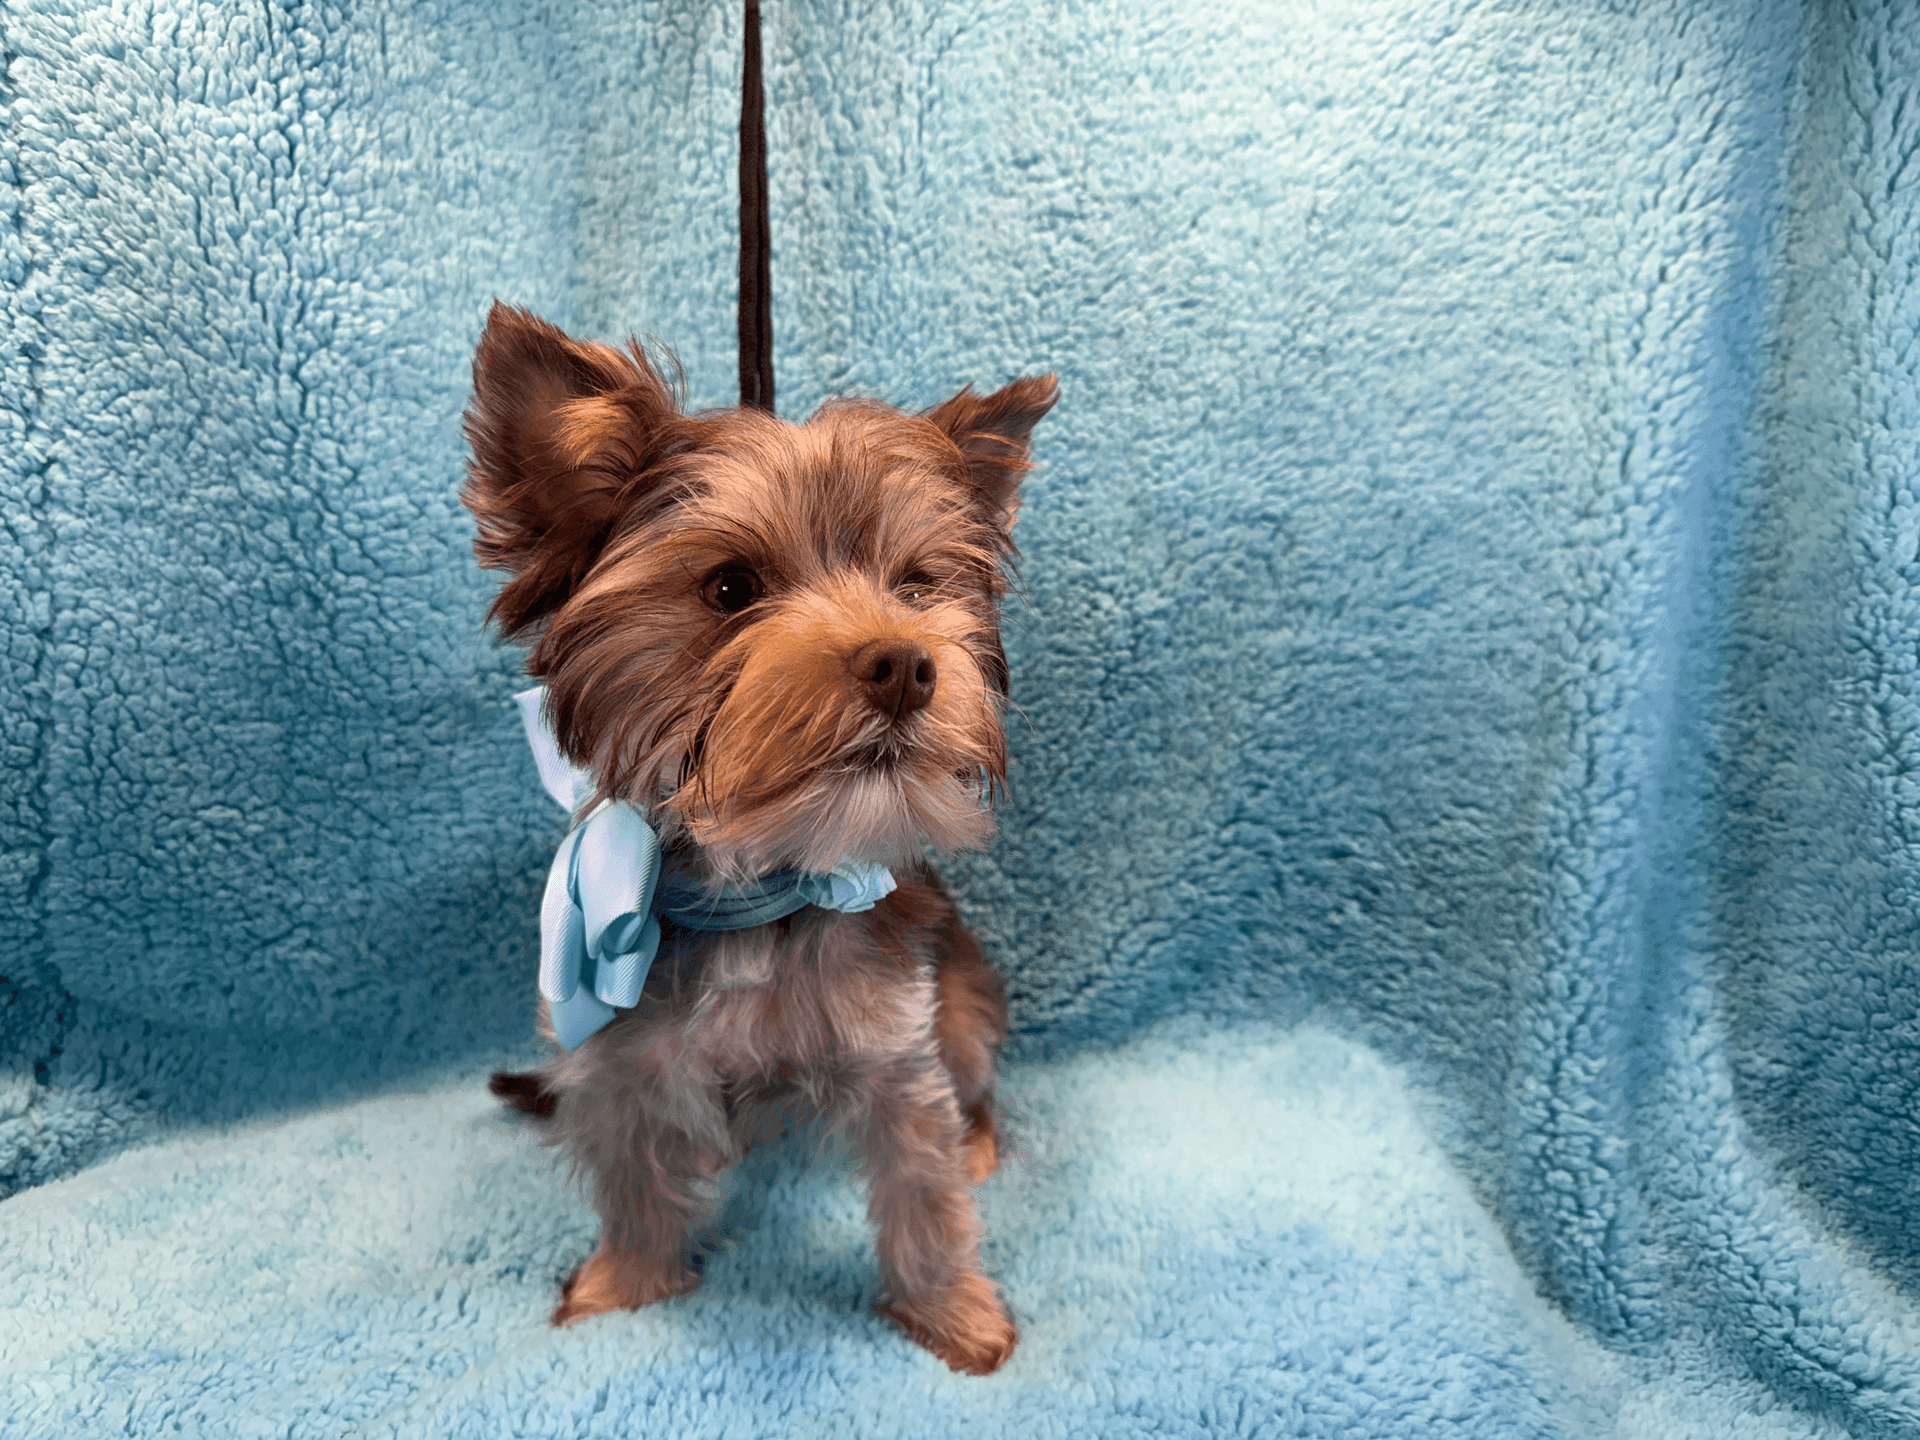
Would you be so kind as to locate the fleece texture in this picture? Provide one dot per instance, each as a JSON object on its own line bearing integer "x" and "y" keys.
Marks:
{"x": 1459, "y": 883}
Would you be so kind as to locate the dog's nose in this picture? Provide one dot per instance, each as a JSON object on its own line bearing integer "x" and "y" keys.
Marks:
{"x": 897, "y": 676}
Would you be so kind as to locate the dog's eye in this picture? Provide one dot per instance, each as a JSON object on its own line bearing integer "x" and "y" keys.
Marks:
{"x": 732, "y": 590}
{"x": 917, "y": 588}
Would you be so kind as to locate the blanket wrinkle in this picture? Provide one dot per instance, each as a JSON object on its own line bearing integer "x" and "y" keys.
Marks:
{"x": 1458, "y": 886}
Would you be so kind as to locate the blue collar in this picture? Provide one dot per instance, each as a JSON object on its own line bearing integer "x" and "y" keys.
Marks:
{"x": 600, "y": 920}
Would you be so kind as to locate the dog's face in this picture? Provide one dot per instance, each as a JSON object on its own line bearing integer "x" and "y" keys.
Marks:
{"x": 781, "y": 640}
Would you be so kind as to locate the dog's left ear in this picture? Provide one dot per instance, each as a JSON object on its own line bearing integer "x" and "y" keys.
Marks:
{"x": 994, "y": 434}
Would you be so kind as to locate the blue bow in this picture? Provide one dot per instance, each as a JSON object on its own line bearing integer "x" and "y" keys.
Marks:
{"x": 600, "y": 919}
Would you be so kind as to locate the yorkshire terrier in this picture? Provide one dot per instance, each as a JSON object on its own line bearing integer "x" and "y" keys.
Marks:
{"x": 779, "y": 644}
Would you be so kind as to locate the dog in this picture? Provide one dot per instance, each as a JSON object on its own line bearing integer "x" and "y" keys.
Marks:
{"x": 780, "y": 645}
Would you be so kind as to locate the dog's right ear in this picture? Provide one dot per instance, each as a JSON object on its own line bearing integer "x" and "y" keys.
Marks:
{"x": 993, "y": 433}
{"x": 561, "y": 431}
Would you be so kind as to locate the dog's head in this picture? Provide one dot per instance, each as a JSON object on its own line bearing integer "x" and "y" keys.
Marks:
{"x": 780, "y": 640}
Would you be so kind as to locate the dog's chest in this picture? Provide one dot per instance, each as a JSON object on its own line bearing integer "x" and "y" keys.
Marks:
{"x": 812, "y": 996}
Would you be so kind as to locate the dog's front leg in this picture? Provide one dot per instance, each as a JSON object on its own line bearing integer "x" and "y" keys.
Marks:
{"x": 652, "y": 1156}
{"x": 910, "y": 1141}
{"x": 970, "y": 1026}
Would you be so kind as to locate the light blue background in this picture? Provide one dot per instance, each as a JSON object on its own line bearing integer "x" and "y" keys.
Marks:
{"x": 1468, "y": 611}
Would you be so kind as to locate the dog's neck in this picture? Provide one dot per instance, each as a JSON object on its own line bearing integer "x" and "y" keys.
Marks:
{"x": 612, "y": 887}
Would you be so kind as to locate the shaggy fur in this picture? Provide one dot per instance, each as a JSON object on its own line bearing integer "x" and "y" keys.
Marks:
{"x": 782, "y": 642}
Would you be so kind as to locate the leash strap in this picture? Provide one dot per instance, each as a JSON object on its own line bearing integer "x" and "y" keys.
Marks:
{"x": 756, "y": 244}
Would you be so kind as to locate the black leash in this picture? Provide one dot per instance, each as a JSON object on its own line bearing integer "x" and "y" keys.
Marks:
{"x": 756, "y": 272}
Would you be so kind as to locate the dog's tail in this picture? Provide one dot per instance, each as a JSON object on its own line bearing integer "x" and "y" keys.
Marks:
{"x": 526, "y": 1092}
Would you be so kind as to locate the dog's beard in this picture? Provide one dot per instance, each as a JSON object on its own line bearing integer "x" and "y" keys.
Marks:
{"x": 881, "y": 815}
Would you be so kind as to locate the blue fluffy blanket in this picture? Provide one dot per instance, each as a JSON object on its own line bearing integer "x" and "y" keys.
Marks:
{"x": 1459, "y": 887}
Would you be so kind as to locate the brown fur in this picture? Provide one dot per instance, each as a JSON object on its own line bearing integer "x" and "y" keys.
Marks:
{"x": 763, "y": 738}
{"x": 621, "y": 1280}
{"x": 524, "y": 1093}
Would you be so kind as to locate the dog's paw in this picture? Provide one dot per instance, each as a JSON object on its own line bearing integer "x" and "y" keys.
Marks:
{"x": 980, "y": 1147}
{"x": 621, "y": 1280}
{"x": 980, "y": 1155}
{"x": 967, "y": 1326}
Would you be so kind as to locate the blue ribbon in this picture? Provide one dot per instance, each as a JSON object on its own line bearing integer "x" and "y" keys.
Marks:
{"x": 600, "y": 918}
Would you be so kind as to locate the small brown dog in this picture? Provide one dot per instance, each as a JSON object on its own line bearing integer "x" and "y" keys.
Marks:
{"x": 780, "y": 643}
